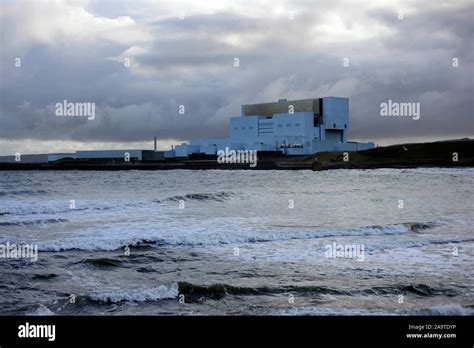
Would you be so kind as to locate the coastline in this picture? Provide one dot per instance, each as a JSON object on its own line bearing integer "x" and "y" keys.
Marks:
{"x": 450, "y": 153}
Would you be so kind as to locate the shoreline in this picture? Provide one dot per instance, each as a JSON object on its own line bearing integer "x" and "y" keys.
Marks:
{"x": 201, "y": 166}
{"x": 449, "y": 154}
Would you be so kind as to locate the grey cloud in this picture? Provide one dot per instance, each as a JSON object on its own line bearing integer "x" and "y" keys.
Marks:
{"x": 187, "y": 62}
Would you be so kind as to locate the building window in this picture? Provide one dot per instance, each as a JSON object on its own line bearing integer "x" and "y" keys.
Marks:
{"x": 236, "y": 128}
{"x": 288, "y": 124}
{"x": 345, "y": 125}
{"x": 243, "y": 128}
{"x": 297, "y": 124}
{"x": 250, "y": 127}
{"x": 334, "y": 125}
{"x": 280, "y": 125}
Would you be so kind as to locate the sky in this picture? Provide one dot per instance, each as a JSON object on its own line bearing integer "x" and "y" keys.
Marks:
{"x": 139, "y": 61}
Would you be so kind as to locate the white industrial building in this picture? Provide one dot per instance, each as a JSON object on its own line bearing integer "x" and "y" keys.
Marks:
{"x": 295, "y": 127}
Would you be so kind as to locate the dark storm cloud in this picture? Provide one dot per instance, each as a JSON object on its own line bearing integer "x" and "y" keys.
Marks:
{"x": 190, "y": 62}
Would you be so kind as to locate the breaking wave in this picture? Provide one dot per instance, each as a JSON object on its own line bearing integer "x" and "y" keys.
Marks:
{"x": 117, "y": 240}
{"x": 217, "y": 196}
{"x": 94, "y": 244}
{"x": 42, "y": 310}
{"x": 139, "y": 295}
{"x": 447, "y": 309}
{"x": 60, "y": 207}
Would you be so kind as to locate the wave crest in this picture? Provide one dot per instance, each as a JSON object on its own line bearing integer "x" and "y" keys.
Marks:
{"x": 115, "y": 241}
{"x": 139, "y": 295}
{"x": 216, "y": 196}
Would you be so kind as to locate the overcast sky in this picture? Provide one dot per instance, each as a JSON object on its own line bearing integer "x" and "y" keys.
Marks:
{"x": 78, "y": 50}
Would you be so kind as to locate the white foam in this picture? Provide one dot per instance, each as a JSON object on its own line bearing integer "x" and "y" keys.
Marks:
{"x": 113, "y": 239}
{"x": 404, "y": 244}
{"x": 449, "y": 309}
{"x": 33, "y": 209}
{"x": 116, "y": 295}
{"x": 298, "y": 311}
{"x": 43, "y": 310}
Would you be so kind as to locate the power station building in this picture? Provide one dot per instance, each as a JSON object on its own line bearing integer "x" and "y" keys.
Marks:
{"x": 294, "y": 127}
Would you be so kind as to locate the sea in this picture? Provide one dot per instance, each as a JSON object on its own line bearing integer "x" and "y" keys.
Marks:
{"x": 230, "y": 242}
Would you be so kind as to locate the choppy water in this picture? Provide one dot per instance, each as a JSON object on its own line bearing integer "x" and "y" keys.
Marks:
{"x": 245, "y": 242}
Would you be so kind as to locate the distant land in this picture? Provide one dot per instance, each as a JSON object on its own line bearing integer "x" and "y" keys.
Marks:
{"x": 447, "y": 153}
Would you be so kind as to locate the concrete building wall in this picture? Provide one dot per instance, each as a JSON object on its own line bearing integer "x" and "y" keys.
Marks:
{"x": 184, "y": 150}
{"x": 148, "y": 155}
{"x": 208, "y": 149}
{"x": 286, "y": 128}
{"x": 336, "y": 113}
{"x": 232, "y": 146}
{"x": 241, "y": 129}
{"x": 294, "y": 152}
{"x": 169, "y": 154}
{"x": 298, "y": 124}
{"x": 159, "y": 155}
{"x": 322, "y": 146}
{"x": 345, "y": 147}
{"x": 259, "y": 147}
